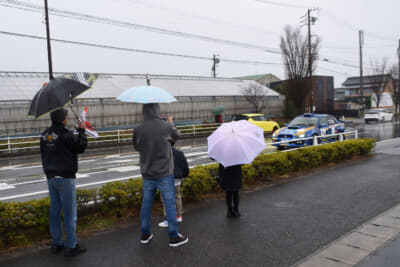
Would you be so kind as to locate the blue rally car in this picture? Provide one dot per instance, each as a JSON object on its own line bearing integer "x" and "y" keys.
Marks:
{"x": 308, "y": 125}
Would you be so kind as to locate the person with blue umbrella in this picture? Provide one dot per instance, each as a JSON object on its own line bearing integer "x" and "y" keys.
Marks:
{"x": 153, "y": 139}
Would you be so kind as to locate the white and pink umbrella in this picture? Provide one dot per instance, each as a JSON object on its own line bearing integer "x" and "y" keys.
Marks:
{"x": 237, "y": 142}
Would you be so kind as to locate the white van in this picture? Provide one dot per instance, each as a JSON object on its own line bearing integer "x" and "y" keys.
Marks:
{"x": 378, "y": 115}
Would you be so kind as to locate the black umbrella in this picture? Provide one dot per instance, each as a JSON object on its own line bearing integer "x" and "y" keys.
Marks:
{"x": 55, "y": 95}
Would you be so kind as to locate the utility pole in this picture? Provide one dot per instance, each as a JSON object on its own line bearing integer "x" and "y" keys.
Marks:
{"x": 361, "y": 42}
{"x": 398, "y": 75}
{"x": 214, "y": 67}
{"x": 46, "y": 9}
{"x": 310, "y": 20}
{"x": 310, "y": 59}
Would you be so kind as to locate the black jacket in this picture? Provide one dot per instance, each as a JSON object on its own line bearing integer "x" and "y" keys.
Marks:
{"x": 181, "y": 168}
{"x": 59, "y": 149}
{"x": 230, "y": 178}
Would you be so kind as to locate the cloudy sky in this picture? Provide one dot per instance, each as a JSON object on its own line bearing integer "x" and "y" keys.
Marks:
{"x": 196, "y": 29}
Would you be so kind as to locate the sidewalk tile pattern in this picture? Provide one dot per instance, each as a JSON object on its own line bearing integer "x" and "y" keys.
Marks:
{"x": 352, "y": 248}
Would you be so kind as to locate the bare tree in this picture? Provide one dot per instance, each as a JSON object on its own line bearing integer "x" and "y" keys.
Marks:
{"x": 254, "y": 94}
{"x": 394, "y": 71}
{"x": 378, "y": 79}
{"x": 294, "y": 47}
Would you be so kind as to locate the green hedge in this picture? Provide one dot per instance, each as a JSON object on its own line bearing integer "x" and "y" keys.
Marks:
{"x": 27, "y": 222}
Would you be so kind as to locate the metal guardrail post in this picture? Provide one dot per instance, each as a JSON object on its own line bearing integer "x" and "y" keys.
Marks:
{"x": 356, "y": 134}
{"x": 341, "y": 137}
{"x": 194, "y": 130}
{"x": 9, "y": 144}
{"x": 315, "y": 140}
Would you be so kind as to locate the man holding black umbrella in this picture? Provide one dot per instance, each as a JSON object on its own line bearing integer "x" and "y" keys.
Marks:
{"x": 59, "y": 149}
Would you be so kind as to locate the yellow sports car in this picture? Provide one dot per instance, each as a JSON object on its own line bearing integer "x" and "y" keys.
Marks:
{"x": 258, "y": 120}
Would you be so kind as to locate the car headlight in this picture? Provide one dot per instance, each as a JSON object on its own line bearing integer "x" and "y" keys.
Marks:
{"x": 302, "y": 135}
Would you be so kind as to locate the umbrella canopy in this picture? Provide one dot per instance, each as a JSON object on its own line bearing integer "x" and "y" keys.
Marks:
{"x": 146, "y": 94}
{"x": 237, "y": 142}
{"x": 218, "y": 110}
{"x": 55, "y": 95}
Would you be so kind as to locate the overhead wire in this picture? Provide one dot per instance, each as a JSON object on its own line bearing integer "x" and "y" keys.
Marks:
{"x": 281, "y": 4}
{"x": 355, "y": 28}
{"x": 237, "y": 61}
{"x": 119, "y": 23}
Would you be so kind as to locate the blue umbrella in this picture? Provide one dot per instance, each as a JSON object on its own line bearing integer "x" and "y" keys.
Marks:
{"x": 146, "y": 94}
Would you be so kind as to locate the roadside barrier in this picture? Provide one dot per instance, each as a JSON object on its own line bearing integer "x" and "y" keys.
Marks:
{"x": 120, "y": 136}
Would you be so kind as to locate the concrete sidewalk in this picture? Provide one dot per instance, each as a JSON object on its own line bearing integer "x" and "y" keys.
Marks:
{"x": 282, "y": 225}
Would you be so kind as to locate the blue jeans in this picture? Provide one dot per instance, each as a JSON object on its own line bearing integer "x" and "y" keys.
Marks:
{"x": 62, "y": 198}
{"x": 167, "y": 188}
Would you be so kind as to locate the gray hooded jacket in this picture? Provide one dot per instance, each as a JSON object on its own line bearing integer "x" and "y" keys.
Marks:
{"x": 152, "y": 140}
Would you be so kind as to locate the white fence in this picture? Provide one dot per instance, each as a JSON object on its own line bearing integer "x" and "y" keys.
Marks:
{"x": 29, "y": 143}
{"x": 119, "y": 136}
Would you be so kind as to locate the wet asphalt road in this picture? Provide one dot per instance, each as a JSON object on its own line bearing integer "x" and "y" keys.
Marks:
{"x": 21, "y": 178}
{"x": 280, "y": 225}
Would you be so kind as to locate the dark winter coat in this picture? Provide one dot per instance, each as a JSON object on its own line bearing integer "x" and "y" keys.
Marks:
{"x": 230, "y": 178}
{"x": 153, "y": 139}
{"x": 181, "y": 167}
{"x": 59, "y": 149}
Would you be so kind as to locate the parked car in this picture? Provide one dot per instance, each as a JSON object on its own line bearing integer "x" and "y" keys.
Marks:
{"x": 308, "y": 125}
{"x": 259, "y": 120}
{"x": 378, "y": 115}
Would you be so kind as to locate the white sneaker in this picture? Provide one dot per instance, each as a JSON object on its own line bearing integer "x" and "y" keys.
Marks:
{"x": 163, "y": 224}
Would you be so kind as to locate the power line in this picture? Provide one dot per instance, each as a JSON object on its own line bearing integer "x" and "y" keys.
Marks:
{"x": 353, "y": 27}
{"x": 119, "y": 23}
{"x": 281, "y": 4}
{"x": 337, "y": 72}
{"x": 181, "y": 12}
{"x": 237, "y": 61}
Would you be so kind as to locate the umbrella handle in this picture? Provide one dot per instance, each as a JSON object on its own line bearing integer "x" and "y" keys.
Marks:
{"x": 73, "y": 111}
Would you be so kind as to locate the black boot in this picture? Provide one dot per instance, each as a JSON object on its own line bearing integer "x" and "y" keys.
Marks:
{"x": 235, "y": 211}
{"x": 228, "y": 198}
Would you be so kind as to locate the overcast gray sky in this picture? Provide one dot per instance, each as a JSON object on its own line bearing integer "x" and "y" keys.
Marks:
{"x": 256, "y": 22}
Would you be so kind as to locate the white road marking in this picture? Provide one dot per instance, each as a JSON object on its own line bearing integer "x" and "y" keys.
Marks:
{"x": 124, "y": 169}
{"x": 107, "y": 181}
{"x": 31, "y": 182}
{"x": 78, "y": 186}
{"x": 24, "y": 195}
{"x": 196, "y": 153}
{"x": 201, "y": 157}
{"x": 4, "y": 186}
{"x": 120, "y": 161}
{"x": 87, "y": 160}
{"x": 112, "y": 156}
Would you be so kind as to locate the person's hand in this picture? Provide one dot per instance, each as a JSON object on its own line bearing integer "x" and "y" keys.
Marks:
{"x": 170, "y": 120}
{"x": 81, "y": 125}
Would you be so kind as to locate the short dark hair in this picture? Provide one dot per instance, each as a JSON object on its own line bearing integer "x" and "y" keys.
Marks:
{"x": 59, "y": 115}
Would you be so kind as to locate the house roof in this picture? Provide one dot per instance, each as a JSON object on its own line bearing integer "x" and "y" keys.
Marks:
{"x": 351, "y": 81}
{"x": 257, "y": 77}
{"x": 24, "y": 85}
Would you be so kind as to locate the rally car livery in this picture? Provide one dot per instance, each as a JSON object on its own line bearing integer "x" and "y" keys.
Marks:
{"x": 308, "y": 125}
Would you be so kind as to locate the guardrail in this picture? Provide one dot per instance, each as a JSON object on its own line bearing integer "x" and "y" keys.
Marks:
{"x": 119, "y": 136}
{"x": 316, "y": 138}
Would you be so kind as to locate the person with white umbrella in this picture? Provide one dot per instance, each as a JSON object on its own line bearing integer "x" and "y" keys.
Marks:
{"x": 232, "y": 145}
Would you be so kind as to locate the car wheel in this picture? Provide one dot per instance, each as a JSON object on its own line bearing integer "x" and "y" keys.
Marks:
{"x": 366, "y": 121}
{"x": 280, "y": 148}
